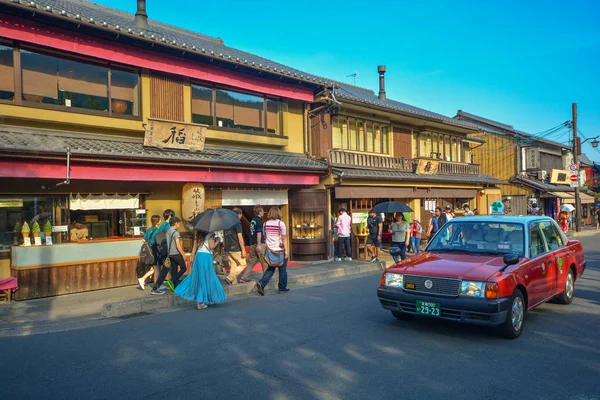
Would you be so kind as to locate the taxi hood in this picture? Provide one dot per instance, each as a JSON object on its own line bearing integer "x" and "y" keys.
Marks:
{"x": 470, "y": 267}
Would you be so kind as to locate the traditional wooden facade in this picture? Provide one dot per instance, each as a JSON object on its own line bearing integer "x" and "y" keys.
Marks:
{"x": 81, "y": 87}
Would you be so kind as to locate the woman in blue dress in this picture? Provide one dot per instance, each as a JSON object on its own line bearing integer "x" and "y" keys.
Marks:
{"x": 202, "y": 284}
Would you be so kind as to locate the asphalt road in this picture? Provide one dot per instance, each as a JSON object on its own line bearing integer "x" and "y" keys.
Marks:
{"x": 331, "y": 341}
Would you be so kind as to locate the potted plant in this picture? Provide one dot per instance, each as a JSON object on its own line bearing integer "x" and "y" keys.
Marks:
{"x": 35, "y": 228}
{"x": 25, "y": 230}
{"x": 47, "y": 228}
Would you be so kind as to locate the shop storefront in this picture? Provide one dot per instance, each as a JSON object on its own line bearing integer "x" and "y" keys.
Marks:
{"x": 100, "y": 213}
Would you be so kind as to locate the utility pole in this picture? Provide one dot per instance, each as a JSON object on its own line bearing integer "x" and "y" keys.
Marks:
{"x": 576, "y": 162}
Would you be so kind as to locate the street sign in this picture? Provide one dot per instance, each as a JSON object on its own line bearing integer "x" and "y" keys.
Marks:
{"x": 573, "y": 167}
{"x": 574, "y": 178}
{"x": 574, "y": 184}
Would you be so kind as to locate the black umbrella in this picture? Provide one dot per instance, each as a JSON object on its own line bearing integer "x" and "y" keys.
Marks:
{"x": 390, "y": 207}
{"x": 215, "y": 219}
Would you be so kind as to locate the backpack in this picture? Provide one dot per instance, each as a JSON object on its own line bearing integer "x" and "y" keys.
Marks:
{"x": 162, "y": 247}
{"x": 274, "y": 258}
{"x": 146, "y": 254}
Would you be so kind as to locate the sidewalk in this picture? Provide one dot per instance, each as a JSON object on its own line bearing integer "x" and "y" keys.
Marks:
{"x": 130, "y": 300}
{"x": 584, "y": 231}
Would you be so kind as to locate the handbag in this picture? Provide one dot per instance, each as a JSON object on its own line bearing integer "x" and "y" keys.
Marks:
{"x": 167, "y": 262}
{"x": 275, "y": 258}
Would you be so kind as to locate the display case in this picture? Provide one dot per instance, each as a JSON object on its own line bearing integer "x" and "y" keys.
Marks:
{"x": 307, "y": 225}
{"x": 308, "y": 222}
{"x": 134, "y": 223}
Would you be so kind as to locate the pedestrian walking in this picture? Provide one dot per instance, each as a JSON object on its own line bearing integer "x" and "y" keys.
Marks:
{"x": 416, "y": 232}
{"x": 434, "y": 223}
{"x": 159, "y": 243}
{"x": 176, "y": 253}
{"x": 235, "y": 249}
{"x": 202, "y": 284}
{"x": 343, "y": 223}
{"x": 149, "y": 238}
{"x": 276, "y": 251}
{"x": 598, "y": 218}
{"x": 467, "y": 209}
{"x": 401, "y": 234}
{"x": 257, "y": 248}
{"x": 375, "y": 227}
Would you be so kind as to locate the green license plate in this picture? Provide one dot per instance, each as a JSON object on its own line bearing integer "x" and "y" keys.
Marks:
{"x": 428, "y": 308}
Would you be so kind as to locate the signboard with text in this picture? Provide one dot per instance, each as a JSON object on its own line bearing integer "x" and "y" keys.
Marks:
{"x": 174, "y": 135}
{"x": 560, "y": 176}
{"x": 11, "y": 202}
{"x": 427, "y": 167}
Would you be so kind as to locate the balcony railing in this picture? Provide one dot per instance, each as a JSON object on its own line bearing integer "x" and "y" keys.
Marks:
{"x": 374, "y": 161}
{"x": 451, "y": 168}
{"x": 370, "y": 161}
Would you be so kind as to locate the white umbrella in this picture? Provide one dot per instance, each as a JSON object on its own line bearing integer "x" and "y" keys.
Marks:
{"x": 567, "y": 208}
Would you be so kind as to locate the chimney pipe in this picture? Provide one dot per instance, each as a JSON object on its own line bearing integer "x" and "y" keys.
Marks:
{"x": 381, "y": 70}
{"x": 141, "y": 18}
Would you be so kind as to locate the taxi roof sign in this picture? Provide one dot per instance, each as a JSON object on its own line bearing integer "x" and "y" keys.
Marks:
{"x": 497, "y": 208}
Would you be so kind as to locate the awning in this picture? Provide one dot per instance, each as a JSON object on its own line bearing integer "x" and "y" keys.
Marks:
{"x": 104, "y": 202}
{"x": 382, "y": 192}
{"x": 560, "y": 195}
{"x": 254, "y": 197}
{"x": 585, "y": 199}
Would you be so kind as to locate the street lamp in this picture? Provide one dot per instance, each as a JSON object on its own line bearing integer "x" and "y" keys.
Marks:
{"x": 594, "y": 142}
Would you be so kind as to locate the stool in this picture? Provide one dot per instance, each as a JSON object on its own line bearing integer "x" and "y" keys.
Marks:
{"x": 7, "y": 286}
{"x": 360, "y": 246}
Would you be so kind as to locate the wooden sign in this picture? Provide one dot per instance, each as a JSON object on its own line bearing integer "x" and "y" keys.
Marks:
{"x": 427, "y": 167}
{"x": 560, "y": 176}
{"x": 192, "y": 200}
{"x": 174, "y": 135}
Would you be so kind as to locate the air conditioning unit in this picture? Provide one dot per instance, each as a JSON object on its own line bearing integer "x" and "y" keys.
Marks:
{"x": 542, "y": 175}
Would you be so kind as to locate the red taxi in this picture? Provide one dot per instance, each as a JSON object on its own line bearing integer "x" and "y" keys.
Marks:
{"x": 486, "y": 270}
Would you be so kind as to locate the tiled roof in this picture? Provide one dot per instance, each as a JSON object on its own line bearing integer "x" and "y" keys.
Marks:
{"x": 539, "y": 185}
{"x": 17, "y": 139}
{"x": 502, "y": 129}
{"x": 585, "y": 160}
{"x": 103, "y": 17}
{"x": 366, "y": 96}
{"x": 411, "y": 176}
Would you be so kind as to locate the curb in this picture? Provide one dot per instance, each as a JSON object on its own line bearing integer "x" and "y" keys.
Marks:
{"x": 585, "y": 233}
{"x": 153, "y": 303}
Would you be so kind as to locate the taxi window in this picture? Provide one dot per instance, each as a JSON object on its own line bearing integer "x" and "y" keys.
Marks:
{"x": 553, "y": 238}
{"x": 536, "y": 242}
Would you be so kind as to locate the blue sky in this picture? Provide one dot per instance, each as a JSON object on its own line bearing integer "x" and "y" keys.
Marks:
{"x": 518, "y": 62}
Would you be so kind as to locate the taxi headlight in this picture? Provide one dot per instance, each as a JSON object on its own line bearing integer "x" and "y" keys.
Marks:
{"x": 474, "y": 289}
{"x": 393, "y": 279}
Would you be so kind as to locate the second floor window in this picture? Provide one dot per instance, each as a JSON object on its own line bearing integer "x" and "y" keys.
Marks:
{"x": 443, "y": 147}
{"x": 360, "y": 135}
{"x": 237, "y": 111}
{"x": 63, "y": 82}
{"x": 7, "y": 80}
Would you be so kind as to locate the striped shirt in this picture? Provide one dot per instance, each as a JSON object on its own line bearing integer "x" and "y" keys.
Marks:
{"x": 273, "y": 234}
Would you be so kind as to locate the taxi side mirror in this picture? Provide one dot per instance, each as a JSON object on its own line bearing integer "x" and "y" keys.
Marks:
{"x": 509, "y": 259}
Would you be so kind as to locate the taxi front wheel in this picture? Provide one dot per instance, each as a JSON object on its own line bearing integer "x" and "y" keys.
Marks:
{"x": 515, "y": 318}
{"x": 402, "y": 316}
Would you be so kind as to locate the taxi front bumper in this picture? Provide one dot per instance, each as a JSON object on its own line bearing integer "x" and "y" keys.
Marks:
{"x": 460, "y": 309}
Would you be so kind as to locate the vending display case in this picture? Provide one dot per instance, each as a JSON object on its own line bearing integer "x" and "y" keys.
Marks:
{"x": 134, "y": 223}
{"x": 309, "y": 227}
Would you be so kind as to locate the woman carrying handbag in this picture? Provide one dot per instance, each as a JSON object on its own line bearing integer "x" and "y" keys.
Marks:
{"x": 276, "y": 252}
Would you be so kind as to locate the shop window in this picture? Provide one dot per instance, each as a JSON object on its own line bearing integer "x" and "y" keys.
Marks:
{"x": 385, "y": 139}
{"x": 62, "y": 82}
{"x": 202, "y": 105}
{"x": 7, "y": 81}
{"x": 352, "y": 133}
{"x": 377, "y": 139}
{"x": 369, "y": 136}
{"x": 240, "y": 111}
{"x": 360, "y": 127}
{"x": 15, "y": 211}
{"x": 276, "y": 117}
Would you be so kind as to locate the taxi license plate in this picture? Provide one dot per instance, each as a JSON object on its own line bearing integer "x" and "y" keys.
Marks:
{"x": 428, "y": 308}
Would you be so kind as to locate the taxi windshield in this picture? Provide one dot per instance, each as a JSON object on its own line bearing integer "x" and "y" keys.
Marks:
{"x": 479, "y": 238}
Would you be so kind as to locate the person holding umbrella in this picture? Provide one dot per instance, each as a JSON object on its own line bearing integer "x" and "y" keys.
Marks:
{"x": 563, "y": 218}
{"x": 202, "y": 284}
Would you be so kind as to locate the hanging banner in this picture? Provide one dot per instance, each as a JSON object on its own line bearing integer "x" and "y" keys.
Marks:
{"x": 192, "y": 200}
{"x": 104, "y": 202}
{"x": 171, "y": 135}
{"x": 427, "y": 167}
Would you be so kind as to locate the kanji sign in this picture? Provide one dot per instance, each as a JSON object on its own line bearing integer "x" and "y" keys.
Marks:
{"x": 427, "y": 167}
{"x": 172, "y": 135}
